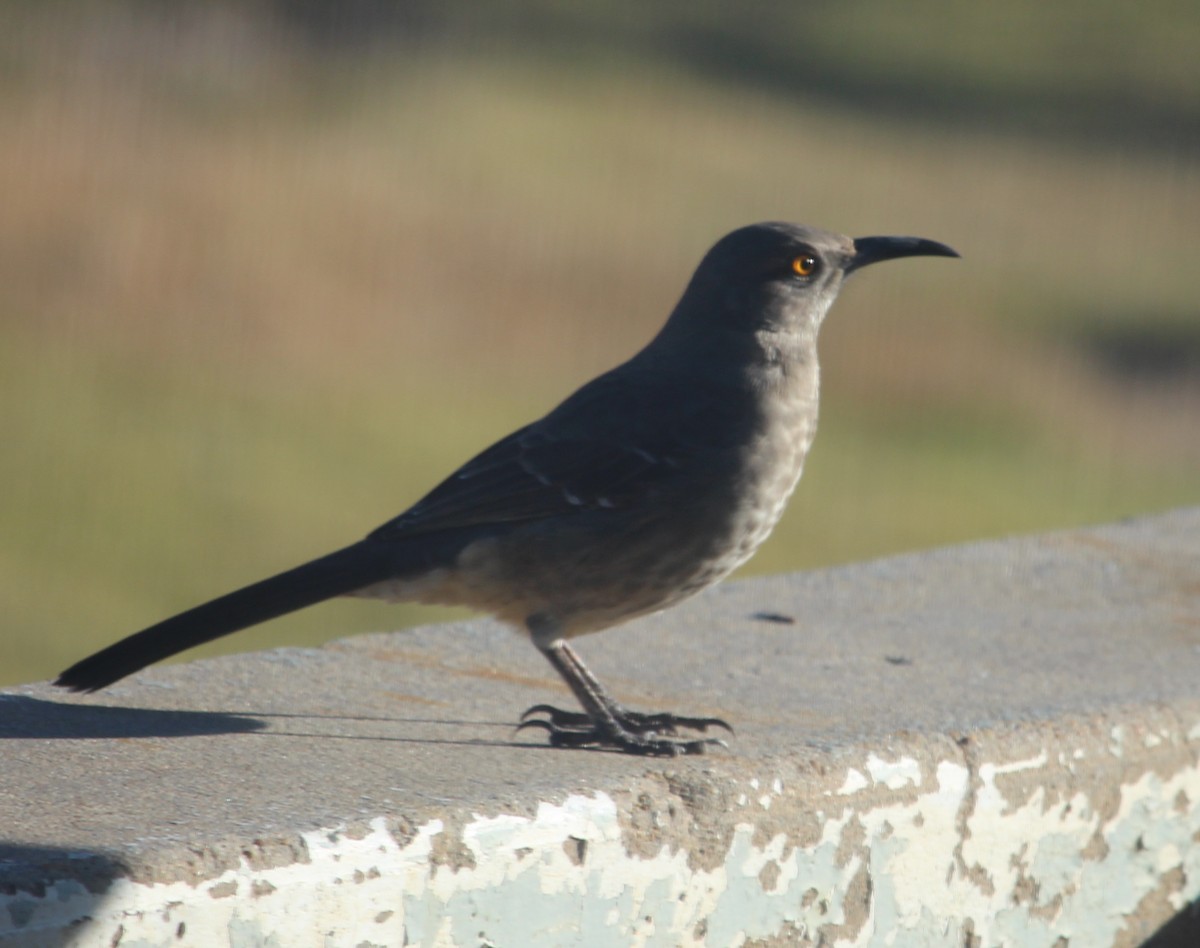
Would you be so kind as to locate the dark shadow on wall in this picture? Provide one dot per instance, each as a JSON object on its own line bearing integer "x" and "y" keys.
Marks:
{"x": 1182, "y": 931}
{"x": 26, "y": 718}
{"x": 49, "y": 895}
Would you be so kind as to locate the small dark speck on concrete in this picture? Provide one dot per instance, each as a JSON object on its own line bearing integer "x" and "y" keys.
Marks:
{"x": 897, "y": 660}
{"x": 777, "y": 617}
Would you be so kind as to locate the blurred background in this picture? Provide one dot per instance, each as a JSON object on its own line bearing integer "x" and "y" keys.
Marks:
{"x": 269, "y": 270}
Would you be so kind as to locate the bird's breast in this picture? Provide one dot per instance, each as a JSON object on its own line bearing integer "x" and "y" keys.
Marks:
{"x": 773, "y": 458}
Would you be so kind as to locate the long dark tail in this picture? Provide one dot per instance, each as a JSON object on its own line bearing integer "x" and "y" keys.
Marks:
{"x": 340, "y": 572}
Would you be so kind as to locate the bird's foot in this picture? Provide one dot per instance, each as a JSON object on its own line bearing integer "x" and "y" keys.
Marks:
{"x": 628, "y": 731}
{"x": 662, "y": 722}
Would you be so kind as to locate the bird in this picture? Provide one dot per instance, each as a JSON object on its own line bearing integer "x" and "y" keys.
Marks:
{"x": 648, "y": 484}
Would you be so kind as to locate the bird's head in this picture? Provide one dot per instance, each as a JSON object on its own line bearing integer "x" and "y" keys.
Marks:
{"x": 780, "y": 278}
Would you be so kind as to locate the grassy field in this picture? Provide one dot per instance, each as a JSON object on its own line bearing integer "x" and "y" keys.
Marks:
{"x": 255, "y": 300}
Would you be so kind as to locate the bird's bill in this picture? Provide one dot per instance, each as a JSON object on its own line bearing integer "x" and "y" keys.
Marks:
{"x": 869, "y": 250}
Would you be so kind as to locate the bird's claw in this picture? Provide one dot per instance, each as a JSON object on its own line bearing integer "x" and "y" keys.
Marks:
{"x": 662, "y": 722}
{"x": 630, "y": 731}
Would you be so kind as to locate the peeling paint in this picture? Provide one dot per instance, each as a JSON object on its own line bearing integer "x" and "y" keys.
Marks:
{"x": 895, "y": 775}
{"x": 964, "y": 846}
{"x": 855, "y": 780}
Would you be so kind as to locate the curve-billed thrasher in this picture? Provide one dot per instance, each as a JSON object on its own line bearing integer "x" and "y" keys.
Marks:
{"x": 648, "y": 484}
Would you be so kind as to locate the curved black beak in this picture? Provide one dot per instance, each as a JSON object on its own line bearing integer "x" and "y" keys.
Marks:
{"x": 877, "y": 249}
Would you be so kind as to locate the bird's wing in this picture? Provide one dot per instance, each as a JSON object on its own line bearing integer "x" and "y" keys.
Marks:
{"x": 584, "y": 456}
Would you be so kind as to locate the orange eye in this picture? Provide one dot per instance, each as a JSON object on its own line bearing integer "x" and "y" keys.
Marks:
{"x": 805, "y": 265}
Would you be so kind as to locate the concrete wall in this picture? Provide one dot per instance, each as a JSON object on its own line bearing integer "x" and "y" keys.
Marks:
{"x": 996, "y": 744}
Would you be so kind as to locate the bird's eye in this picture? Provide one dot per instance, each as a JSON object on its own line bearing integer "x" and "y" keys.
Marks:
{"x": 804, "y": 265}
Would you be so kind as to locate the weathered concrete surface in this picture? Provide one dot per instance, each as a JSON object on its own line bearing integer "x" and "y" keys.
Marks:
{"x": 996, "y": 744}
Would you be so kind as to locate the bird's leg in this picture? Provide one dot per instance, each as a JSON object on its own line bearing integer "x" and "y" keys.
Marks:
{"x": 605, "y": 723}
{"x": 636, "y": 721}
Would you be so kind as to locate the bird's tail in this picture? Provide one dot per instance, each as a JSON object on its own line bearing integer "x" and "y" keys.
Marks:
{"x": 343, "y": 571}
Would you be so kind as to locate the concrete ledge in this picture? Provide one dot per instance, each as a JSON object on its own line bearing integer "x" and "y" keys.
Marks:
{"x": 995, "y": 744}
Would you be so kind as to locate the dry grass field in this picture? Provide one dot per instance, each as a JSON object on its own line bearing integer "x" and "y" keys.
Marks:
{"x": 256, "y": 298}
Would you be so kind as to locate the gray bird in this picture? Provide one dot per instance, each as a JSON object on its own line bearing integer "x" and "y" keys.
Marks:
{"x": 649, "y": 483}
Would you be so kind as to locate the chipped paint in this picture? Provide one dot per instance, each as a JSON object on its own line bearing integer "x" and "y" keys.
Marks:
{"x": 1004, "y": 842}
{"x": 895, "y": 775}
{"x": 855, "y": 780}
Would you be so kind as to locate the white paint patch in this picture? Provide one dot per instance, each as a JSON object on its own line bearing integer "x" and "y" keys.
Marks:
{"x": 989, "y": 772}
{"x": 855, "y": 781}
{"x": 895, "y": 775}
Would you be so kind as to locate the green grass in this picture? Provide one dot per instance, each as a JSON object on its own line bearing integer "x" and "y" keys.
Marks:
{"x": 247, "y": 315}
